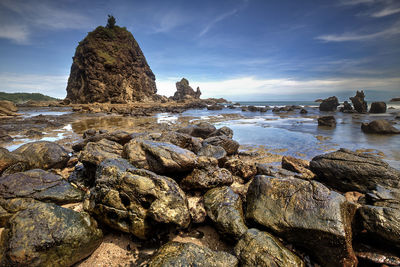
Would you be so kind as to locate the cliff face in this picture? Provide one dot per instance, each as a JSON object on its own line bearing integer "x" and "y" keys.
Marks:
{"x": 184, "y": 91}
{"x": 109, "y": 66}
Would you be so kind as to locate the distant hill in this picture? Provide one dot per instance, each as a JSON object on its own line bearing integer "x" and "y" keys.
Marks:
{"x": 24, "y": 97}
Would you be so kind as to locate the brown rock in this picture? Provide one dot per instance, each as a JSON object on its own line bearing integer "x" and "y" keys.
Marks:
{"x": 297, "y": 165}
{"x": 184, "y": 91}
{"x": 359, "y": 103}
{"x": 109, "y": 66}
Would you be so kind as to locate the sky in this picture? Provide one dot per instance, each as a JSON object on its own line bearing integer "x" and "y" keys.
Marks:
{"x": 236, "y": 49}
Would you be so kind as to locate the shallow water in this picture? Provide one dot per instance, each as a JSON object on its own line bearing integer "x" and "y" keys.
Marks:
{"x": 291, "y": 133}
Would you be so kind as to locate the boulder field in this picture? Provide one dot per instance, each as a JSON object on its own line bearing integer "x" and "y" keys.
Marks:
{"x": 339, "y": 209}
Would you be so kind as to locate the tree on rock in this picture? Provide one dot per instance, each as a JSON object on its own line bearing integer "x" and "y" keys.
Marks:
{"x": 111, "y": 21}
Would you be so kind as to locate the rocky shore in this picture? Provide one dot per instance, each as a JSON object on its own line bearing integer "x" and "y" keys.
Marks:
{"x": 190, "y": 197}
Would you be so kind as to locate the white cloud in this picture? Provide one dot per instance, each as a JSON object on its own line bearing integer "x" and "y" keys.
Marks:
{"x": 248, "y": 86}
{"x": 386, "y": 12}
{"x": 52, "y": 85}
{"x": 170, "y": 20}
{"x": 16, "y": 33}
{"x": 216, "y": 20}
{"x": 47, "y": 14}
{"x": 345, "y": 37}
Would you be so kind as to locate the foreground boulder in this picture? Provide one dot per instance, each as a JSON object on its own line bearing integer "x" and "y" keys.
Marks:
{"x": 95, "y": 152}
{"x": 257, "y": 248}
{"x": 329, "y": 104}
{"x": 379, "y": 127}
{"x": 8, "y": 207}
{"x": 224, "y": 208}
{"x": 135, "y": 201}
{"x": 345, "y": 171}
{"x": 378, "y": 107}
{"x": 48, "y": 235}
{"x": 328, "y": 121}
{"x": 162, "y": 158}
{"x": 380, "y": 217}
{"x": 175, "y": 254}
{"x": 44, "y": 155}
{"x": 228, "y": 132}
{"x": 359, "y": 103}
{"x": 7, "y": 108}
{"x": 109, "y": 66}
{"x": 40, "y": 185}
{"x": 184, "y": 91}
{"x": 306, "y": 214}
{"x": 206, "y": 175}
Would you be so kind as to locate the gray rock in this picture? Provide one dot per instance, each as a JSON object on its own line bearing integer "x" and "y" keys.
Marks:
{"x": 162, "y": 158}
{"x": 224, "y": 208}
{"x": 231, "y": 146}
{"x": 202, "y": 130}
{"x": 243, "y": 169}
{"x": 258, "y": 248}
{"x": 136, "y": 201}
{"x": 329, "y": 104}
{"x": 345, "y": 170}
{"x": 206, "y": 175}
{"x": 175, "y": 254}
{"x": 379, "y": 127}
{"x": 378, "y": 107}
{"x": 328, "y": 121}
{"x": 43, "y": 155}
{"x": 359, "y": 103}
{"x": 213, "y": 152}
{"x": 182, "y": 140}
{"x": 305, "y": 213}
{"x": 45, "y": 234}
{"x": 40, "y": 185}
{"x": 226, "y": 131}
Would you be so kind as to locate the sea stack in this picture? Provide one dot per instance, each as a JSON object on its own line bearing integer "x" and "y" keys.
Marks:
{"x": 184, "y": 91}
{"x": 109, "y": 66}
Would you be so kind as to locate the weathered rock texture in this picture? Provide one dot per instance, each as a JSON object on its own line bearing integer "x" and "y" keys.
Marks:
{"x": 48, "y": 235}
{"x": 345, "y": 170}
{"x": 258, "y": 248}
{"x": 305, "y": 213}
{"x": 184, "y": 91}
{"x": 174, "y": 254}
{"x": 379, "y": 127}
{"x": 109, "y": 66}
{"x": 134, "y": 200}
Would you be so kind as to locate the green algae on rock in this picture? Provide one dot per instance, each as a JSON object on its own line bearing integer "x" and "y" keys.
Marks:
{"x": 45, "y": 234}
{"x": 175, "y": 254}
{"x": 135, "y": 201}
{"x": 109, "y": 66}
{"x": 257, "y": 248}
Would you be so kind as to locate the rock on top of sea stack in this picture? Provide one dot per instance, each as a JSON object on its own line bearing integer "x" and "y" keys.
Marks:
{"x": 184, "y": 91}
{"x": 109, "y": 66}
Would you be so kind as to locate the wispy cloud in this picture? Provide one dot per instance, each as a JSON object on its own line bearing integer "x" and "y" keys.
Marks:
{"x": 386, "y": 12}
{"x": 247, "y": 86}
{"x": 170, "y": 20}
{"x": 52, "y": 85}
{"x": 16, "y": 33}
{"x": 218, "y": 19}
{"x": 28, "y": 16}
{"x": 346, "y": 37}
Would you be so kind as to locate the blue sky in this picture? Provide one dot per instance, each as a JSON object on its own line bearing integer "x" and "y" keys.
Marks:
{"x": 238, "y": 49}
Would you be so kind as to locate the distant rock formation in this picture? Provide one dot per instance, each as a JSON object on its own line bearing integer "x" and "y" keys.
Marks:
{"x": 329, "y": 104}
{"x": 378, "y": 107}
{"x": 184, "y": 91}
{"x": 109, "y": 66}
{"x": 359, "y": 103}
{"x": 396, "y": 99}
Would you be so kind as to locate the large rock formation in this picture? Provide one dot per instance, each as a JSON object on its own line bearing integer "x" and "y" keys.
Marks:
{"x": 184, "y": 91}
{"x": 109, "y": 66}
